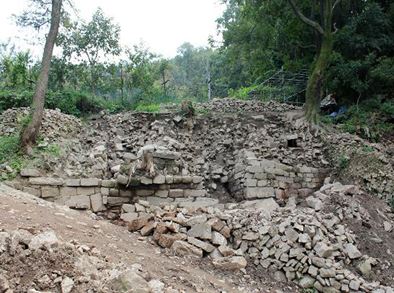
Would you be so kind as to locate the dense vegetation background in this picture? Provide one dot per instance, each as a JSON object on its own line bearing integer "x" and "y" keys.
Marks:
{"x": 266, "y": 53}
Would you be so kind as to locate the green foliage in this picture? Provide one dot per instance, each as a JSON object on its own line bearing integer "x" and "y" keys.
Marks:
{"x": 242, "y": 93}
{"x": 371, "y": 119}
{"x": 151, "y": 108}
{"x": 343, "y": 162}
{"x": 52, "y": 149}
{"x": 9, "y": 153}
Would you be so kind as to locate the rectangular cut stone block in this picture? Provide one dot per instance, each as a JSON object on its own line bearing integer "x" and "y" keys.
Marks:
{"x": 146, "y": 181}
{"x": 254, "y": 169}
{"x": 85, "y": 190}
{"x": 104, "y": 191}
{"x": 194, "y": 193}
{"x": 262, "y": 183}
{"x": 121, "y": 179}
{"x": 159, "y": 179}
{"x": 117, "y": 201}
{"x": 169, "y": 179}
{"x": 144, "y": 192}
{"x": 73, "y": 182}
{"x": 33, "y": 191}
{"x": 46, "y": 181}
{"x": 90, "y": 182}
{"x": 161, "y": 193}
{"x": 96, "y": 202}
{"x": 113, "y": 192}
{"x": 68, "y": 191}
{"x": 259, "y": 192}
{"x": 178, "y": 179}
{"x": 30, "y": 172}
{"x": 125, "y": 193}
{"x": 158, "y": 201}
{"x": 79, "y": 202}
{"x": 187, "y": 179}
{"x": 260, "y": 176}
{"x": 197, "y": 179}
{"x": 176, "y": 193}
{"x": 49, "y": 192}
{"x": 108, "y": 183}
{"x": 250, "y": 182}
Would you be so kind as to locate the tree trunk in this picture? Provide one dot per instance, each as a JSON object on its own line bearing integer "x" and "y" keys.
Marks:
{"x": 315, "y": 81}
{"x": 30, "y": 133}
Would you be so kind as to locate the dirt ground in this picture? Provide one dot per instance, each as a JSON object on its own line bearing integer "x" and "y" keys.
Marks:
{"x": 22, "y": 211}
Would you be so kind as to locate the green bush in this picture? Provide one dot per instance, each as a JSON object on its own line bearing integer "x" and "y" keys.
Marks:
{"x": 242, "y": 93}
{"x": 8, "y": 147}
{"x": 370, "y": 119}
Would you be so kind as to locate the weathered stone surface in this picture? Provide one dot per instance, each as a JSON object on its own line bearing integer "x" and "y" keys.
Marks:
{"x": 85, "y": 191}
{"x": 307, "y": 282}
{"x": 159, "y": 179}
{"x": 202, "y": 231}
{"x": 182, "y": 248}
{"x": 199, "y": 203}
{"x": 230, "y": 263}
{"x": 68, "y": 191}
{"x": 90, "y": 182}
{"x": 128, "y": 208}
{"x": 79, "y": 202}
{"x": 314, "y": 203}
{"x": 226, "y": 251}
{"x": 176, "y": 193}
{"x": 67, "y": 285}
{"x": 45, "y": 239}
{"x": 116, "y": 201}
{"x": 47, "y": 192}
{"x": 194, "y": 193}
{"x": 46, "y": 181}
{"x": 96, "y": 201}
{"x": 128, "y": 216}
{"x": 72, "y": 182}
{"x": 148, "y": 228}
{"x": 201, "y": 244}
{"x": 137, "y": 224}
{"x": 33, "y": 191}
{"x": 352, "y": 251}
{"x": 108, "y": 183}
{"x": 30, "y": 172}
{"x": 259, "y": 192}
{"x": 218, "y": 239}
{"x": 121, "y": 179}
{"x": 167, "y": 240}
{"x": 129, "y": 281}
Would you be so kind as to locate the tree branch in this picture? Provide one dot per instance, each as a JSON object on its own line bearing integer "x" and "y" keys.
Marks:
{"x": 335, "y": 4}
{"x": 305, "y": 19}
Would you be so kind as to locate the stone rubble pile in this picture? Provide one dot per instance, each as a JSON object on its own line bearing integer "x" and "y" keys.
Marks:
{"x": 229, "y": 105}
{"x": 55, "y": 266}
{"x": 55, "y": 125}
{"x": 298, "y": 244}
{"x": 367, "y": 164}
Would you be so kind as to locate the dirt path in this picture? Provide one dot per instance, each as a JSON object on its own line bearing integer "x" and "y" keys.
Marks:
{"x": 21, "y": 210}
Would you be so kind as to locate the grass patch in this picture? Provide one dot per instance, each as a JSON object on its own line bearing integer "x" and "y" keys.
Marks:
{"x": 151, "y": 108}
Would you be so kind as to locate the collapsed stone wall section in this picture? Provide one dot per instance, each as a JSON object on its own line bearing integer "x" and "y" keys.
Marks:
{"x": 254, "y": 178}
{"x": 100, "y": 195}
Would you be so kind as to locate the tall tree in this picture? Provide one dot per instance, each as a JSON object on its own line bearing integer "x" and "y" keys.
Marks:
{"x": 91, "y": 42}
{"x": 325, "y": 29}
{"x": 30, "y": 133}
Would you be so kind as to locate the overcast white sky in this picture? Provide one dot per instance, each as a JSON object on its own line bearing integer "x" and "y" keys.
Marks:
{"x": 163, "y": 25}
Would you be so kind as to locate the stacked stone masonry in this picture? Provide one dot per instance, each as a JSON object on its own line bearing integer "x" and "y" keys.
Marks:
{"x": 254, "y": 178}
{"x": 99, "y": 195}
